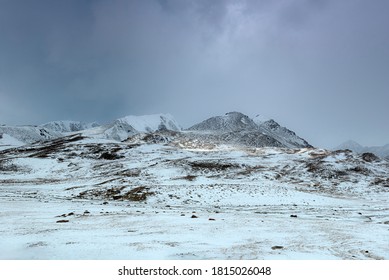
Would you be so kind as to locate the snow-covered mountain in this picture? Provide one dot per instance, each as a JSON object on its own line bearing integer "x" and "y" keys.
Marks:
{"x": 69, "y": 126}
{"x": 238, "y": 128}
{"x": 350, "y": 145}
{"x": 382, "y": 151}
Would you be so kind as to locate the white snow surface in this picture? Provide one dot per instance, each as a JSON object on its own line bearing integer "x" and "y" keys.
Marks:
{"x": 7, "y": 141}
{"x": 90, "y": 198}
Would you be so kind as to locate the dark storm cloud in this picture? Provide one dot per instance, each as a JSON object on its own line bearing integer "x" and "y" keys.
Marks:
{"x": 319, "y": 67}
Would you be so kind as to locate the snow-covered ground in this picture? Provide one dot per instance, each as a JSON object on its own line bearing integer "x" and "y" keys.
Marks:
{"x": 7, "y": 142}
{"x": 82, "y": 198}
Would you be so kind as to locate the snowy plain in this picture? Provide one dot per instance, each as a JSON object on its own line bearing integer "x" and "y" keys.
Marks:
{"x": 86, "y": 198}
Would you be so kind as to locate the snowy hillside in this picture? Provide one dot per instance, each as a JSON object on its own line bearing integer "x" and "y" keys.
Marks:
{"x": 29, "y": 134}
{"x": 69, "y": 126}
{"x": 151, "y": 123}
{"x": 165, "y": 196}
{"x": 7, "y": 142}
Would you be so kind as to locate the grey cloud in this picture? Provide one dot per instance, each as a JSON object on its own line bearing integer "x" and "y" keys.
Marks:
{"x": 308, "y": 64}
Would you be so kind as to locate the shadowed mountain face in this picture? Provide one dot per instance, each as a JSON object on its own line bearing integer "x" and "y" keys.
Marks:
{"x": 285, "y": 136}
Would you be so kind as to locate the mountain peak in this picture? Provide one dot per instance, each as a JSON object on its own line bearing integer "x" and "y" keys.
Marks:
{"x": 351, "y": 145}
{"x": 236, "y": 122}
{"x": 382, "y": 151}
{"x": 232, "y": 121}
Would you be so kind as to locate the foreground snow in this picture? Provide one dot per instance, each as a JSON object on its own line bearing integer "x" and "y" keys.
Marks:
{"x": 95, "y": 199}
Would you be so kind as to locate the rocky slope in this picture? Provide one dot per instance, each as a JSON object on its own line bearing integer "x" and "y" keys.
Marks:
{"x": 285, "y": 136}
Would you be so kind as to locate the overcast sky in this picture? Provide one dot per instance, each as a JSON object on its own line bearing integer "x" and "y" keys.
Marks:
{"x": 319, "y": 67}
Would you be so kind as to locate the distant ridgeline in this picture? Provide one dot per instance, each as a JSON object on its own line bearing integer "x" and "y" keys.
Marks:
{"x": 382, "y": 151}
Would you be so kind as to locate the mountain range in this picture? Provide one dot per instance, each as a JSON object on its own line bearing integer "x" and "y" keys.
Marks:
{"x": 234, "y": 128}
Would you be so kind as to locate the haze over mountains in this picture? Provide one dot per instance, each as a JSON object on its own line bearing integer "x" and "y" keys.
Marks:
{"x": 232, "y": 128}
{"x": 382, "y": 151}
